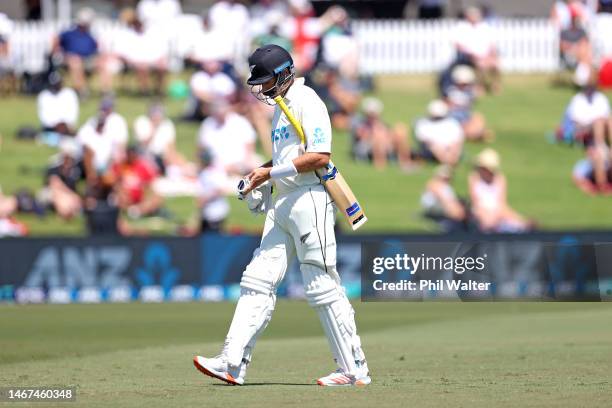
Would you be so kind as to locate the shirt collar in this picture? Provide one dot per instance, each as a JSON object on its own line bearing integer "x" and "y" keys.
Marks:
{"x": 292, "y": 92}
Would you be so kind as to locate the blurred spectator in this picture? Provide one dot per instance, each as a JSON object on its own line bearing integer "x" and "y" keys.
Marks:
{"x": 229, "y": 15}
{"x": 305, "y": 30}
{"x": 488, "y": 196}
{"x": 152, "y": 12}
{"x": 587, "y": 118}
{"x": 341, "y": 94}
{"x": 475, "y": 45}
{"x": 231, "y": 18}
{"x": 213, "y": 188}
{"x": 209, "y": 45}
{"x": 440, "y": 136}
{"x": 230, "y": 139}
{"x": 267, "y": 16}
{"x": 339, "y": 49}
{"x": 441, "y": 204}
{"x": 156, "y": 137}
{"x": 58, "y": 107}
{"x": 583, "y": 176}
{"x": 575, "y": 47}
{"x": 460, "y": 94}
{"x": 431, "y": 9}
{"x": 145, "y": 50}
{"x": 375, "y": 140}
{"x": 61, "y": 180}
{"x": 272, "y": 32}
{"x": 9, "y": 226}
{"x": 208, "y": 85}
{"x": 561, "y": 12}
{"x": 6, "y": 66}
{"x": 103, "y": 138}
{"x": 79, "y": 49}
{"x": 102, "y": 214}
{"x": 8, "y": 205}
{"x": 134, "y": 178}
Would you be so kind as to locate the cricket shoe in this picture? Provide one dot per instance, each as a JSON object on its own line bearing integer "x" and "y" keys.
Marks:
{"x": 339, "y": 379}
{"x": 217, "y": 367}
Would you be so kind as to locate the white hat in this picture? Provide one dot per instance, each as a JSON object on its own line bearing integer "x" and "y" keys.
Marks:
{"x": 582, "y": 75}
{"x": 489, "y": 159}
{"x": 437, "y": 108}
{"x": 70, "y": 148}
{"x": 303, "y": 6}
{"x": 462, "y": 74}
{"x": 371, "y": 105}
{"x": 85, "y": 16}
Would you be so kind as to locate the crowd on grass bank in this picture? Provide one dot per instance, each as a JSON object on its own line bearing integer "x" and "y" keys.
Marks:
{"x": 112, "y": 172}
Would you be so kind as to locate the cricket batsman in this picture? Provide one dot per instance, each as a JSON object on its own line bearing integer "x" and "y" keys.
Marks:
{"x": 299, "y": 221}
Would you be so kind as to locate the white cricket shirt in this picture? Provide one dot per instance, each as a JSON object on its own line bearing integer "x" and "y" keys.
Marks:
{"x": 311, "y": 113}
{"x": 584, "y": 111}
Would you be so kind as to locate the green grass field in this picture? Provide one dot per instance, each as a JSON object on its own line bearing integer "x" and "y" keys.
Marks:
{"x": 420, "y": 354}
{"x": 539, "y": 173}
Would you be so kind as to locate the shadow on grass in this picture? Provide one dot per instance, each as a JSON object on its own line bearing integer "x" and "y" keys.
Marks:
{"x": 266, "y": 383}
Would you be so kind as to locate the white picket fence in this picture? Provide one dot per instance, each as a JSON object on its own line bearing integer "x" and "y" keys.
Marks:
{"x": 386, "y": 46}
{"x": 524, "y": 45}
{"x": 394, "y": 46}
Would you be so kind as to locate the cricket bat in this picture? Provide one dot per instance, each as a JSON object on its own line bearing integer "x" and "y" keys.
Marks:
{"x": 332, "y": 179}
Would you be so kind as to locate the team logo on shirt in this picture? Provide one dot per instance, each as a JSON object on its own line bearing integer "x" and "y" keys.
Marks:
{"x": 280, "y": 134}
{"x": 319, "y": 136}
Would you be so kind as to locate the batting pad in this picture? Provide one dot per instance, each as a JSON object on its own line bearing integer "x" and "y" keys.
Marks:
{"x": 336, "y": 315}
{"x": 251, "y": 317}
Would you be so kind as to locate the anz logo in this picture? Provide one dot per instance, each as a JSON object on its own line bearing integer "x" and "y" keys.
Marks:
{"x": 281, "y": 133}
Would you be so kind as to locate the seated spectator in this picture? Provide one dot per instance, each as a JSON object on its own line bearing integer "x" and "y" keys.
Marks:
{"x": 145, "y": 50}
{"x": 488, "y": 197}
{"x": 374, "y": 140}
{"x": 103, "y": 138}
{"x": 8, "y": 205}
{"x": 156, "y": 137}
{"x": 230, "y": 17}
{"x": 460, "y": 95}
{"x": 79, "y": 49}
{"x": 7, "y": 78}
{"x": 339, "y": 49}
{"x": 213, "y": 189}
{"x": 589, "y": 120}
{"x": 341, "y": 94}
{"x": 273, "y": 33}
{"x": 208, "y": 44}
{"x": 583, "y": 176}
{"x": 230, "y": 139}
{"x": 134, "y": 177}
{"x": 9, "y": 226}
{"x": 441, "y": 204}
{"x": 305, "y": 30}
{"x": 61, "y": 180}
{"x": 560, "y": 14}
{"x": 210, "y": 84}
{"x": 440, "y": 136}
{"x": 575, "y": 47}
{"x": 11, "y": 205}
{"x": 475, "y": 46}
{"x": 58, "y": 108}
{"x": 162, "y": 12}
{"x": 102, "y": 214}
{"x": 265, "y": 14}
